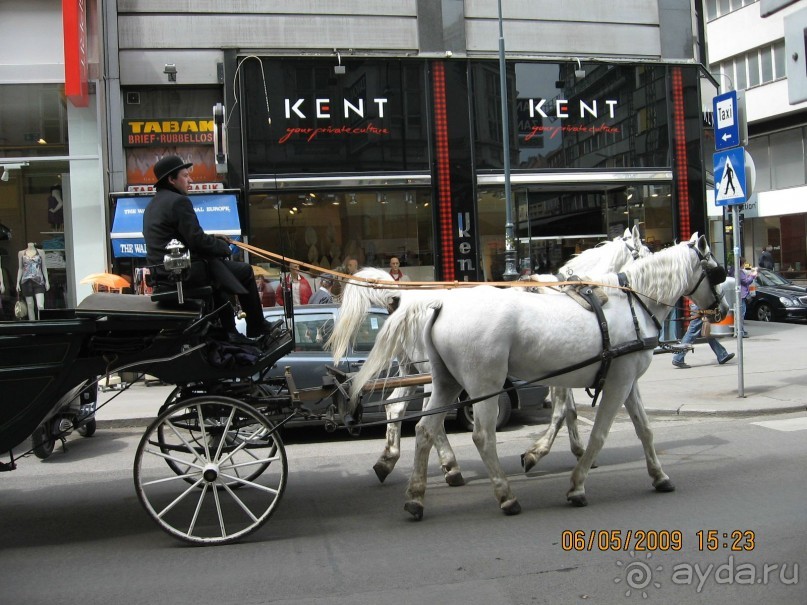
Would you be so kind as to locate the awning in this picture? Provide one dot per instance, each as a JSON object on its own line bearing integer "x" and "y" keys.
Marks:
{"x": 218, "y": 215}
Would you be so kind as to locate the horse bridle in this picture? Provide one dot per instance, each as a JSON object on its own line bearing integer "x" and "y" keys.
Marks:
{"x": 714, "y": 275}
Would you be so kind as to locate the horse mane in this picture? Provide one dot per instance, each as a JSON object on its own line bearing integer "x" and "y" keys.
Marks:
{"x": 595, "y": 260}
{"x": 663, "y": 275}
{"x": 357, "y": 298}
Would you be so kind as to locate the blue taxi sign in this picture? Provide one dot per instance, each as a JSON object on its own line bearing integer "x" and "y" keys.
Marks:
{"x": 726, "y": 120}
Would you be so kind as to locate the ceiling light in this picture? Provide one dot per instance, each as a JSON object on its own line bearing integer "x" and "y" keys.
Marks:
{"x": 5, "y": 176}
{"x": 579, "y": 72}
{"x": 353, "y": 201}
{"x": 42, "y": 141}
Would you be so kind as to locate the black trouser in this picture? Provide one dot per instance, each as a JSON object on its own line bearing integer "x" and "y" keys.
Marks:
{"x": 229, "y": 277}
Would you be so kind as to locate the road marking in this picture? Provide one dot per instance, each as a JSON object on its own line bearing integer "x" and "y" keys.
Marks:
{"x": 791, "y": 424}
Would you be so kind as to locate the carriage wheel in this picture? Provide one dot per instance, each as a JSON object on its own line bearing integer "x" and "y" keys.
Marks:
{"x": 183, "y": 469}
{"x": 219, "y": 441}
{"x": 42, "y": 443}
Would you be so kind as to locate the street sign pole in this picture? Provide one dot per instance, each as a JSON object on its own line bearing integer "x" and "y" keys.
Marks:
{"x": 738, "y": 318}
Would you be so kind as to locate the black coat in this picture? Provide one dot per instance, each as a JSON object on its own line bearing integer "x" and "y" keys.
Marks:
{"x": 170, "y": 215}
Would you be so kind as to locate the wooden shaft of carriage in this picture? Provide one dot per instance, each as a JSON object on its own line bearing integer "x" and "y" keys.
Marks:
{"x": 379, "y": 384}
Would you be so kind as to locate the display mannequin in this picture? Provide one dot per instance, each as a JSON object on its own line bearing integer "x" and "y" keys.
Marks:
{"x": 32, "y": 278}
{"x": 55, "y": 208}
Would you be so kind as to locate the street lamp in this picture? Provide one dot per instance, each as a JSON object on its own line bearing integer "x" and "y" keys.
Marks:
{"x": 510, "y": 272}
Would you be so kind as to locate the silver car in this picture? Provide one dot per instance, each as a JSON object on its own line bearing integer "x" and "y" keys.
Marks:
{"x": 312, "y": 324}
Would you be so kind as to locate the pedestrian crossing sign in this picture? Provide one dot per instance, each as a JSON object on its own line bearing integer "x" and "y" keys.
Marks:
{"x": 729, "y": 174}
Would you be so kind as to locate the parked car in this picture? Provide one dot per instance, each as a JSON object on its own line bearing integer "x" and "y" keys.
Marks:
{"x": 777, "y": 299}
{"x": 309, "y": 358}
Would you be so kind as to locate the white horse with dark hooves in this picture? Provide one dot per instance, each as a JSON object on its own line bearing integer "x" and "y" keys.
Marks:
{"x": 476, "y": 337}
{"x": 356, "y": 302}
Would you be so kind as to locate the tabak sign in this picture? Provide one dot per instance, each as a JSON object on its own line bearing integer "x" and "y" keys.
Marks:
{"x": 539, "y": 118}
{"x": 354, "y": 112}
{"x": 159, "y": 132}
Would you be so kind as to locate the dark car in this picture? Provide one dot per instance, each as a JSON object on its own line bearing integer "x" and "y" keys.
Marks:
{"x": 776, "y": 299}
{"x": 309, "y": 358}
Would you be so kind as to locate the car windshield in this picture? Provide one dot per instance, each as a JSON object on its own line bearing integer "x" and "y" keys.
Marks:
{"x": 767, "y": 277}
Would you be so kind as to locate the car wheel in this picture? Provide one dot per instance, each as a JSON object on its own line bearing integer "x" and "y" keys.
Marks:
{"x": 465, "y": 415}
{"x": 763, "y": 312}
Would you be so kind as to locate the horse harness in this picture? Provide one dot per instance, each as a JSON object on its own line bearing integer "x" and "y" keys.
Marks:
{"x": 609, "y": 351}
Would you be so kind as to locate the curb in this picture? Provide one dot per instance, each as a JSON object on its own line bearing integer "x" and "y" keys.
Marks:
{"x": 681, "y": 411}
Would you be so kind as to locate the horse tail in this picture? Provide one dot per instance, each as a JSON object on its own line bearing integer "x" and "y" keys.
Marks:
{"x": 400, "y": 337}
{"x": 356, "y": 302}
{"x": 436, "y": 361}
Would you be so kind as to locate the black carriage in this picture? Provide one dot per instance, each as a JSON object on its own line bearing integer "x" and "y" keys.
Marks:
{"x": 211, "y": 468}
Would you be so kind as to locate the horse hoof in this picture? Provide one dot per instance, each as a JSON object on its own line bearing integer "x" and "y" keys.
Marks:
{"x": 381, "y": 471}
{"x": 455, "y": 479}
{"x": 528, "y": 461}
{"x": 578, "y": 500}
{"x": 415, "y": 509}
{"x": 665, "y": 486}
{"x": 511, "y": 507}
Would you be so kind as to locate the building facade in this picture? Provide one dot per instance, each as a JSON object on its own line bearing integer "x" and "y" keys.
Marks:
{"x": 52, "y": 153}
{"x": 757, "y": 63}
{"x": 362, "y": 129}
{"x": 373, "y": 129}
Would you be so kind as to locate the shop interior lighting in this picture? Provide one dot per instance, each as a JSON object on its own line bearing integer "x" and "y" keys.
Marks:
{"x": 353, "y": 201}
{"x": 7, "y": 168}
{"x": 579, "y": 73}
{"x": 42, "y": 141}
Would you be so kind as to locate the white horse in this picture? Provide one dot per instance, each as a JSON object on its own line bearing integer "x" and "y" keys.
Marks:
{"x": 357, "y": 300}
{"x": 476, "y": 337}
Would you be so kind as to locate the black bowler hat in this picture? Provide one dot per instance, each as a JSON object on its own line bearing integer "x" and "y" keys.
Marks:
{"x": 168, "y": 165}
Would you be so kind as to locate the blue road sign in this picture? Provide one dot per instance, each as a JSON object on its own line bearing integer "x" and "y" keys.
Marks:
{"x": 726, "y": 120}
{"x": 729, "y": 174}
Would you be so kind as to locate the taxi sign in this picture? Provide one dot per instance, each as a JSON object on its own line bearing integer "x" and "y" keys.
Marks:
{"x": 730, "y": 183}
{"x": 726, "y": 120}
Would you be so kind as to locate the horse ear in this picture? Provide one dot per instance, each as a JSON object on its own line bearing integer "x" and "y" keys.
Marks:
{"x": 703, "y": 245}
{"x": 694, "y": 238}
{"x": 637, "y": 237}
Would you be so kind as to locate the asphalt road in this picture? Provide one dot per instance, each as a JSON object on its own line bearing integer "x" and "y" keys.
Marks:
{"x": 73, "y": 531}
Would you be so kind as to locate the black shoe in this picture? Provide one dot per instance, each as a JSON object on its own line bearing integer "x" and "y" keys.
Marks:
{"x": 236, "y": 338}
{"x": 266, "y": 328}
{"x": 726, "y": 359}
{"x": 681, "y": 364}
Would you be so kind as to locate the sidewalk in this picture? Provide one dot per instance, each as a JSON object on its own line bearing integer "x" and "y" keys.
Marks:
{"x": 774, "y": 381}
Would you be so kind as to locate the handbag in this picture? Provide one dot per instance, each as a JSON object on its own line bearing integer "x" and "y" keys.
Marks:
{"x": 20, "y": 309}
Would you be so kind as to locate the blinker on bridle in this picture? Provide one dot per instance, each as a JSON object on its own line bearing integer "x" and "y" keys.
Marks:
{"x": 715, "y": 275}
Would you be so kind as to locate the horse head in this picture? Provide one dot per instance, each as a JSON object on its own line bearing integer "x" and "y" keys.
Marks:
{"x": 706, "y": 292}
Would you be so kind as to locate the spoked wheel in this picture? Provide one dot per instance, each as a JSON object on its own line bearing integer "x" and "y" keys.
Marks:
{"x": 183, "y": 469}
{"x": 226, "y": 470}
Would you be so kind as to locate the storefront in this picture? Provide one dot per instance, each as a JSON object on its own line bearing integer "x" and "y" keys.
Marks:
{"x": 51, "y": 176}
{"x": 404, "y": 158}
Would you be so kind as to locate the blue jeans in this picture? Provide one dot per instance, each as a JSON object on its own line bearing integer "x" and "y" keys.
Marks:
{"x": 692, "y": 333}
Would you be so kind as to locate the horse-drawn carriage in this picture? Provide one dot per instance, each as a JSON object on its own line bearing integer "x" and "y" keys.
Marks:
{"x": 211, "y": 468}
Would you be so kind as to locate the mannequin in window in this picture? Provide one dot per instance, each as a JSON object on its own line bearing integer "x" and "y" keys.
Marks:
{"x": 55, "y": 208}
{"x": 32, "y": 278}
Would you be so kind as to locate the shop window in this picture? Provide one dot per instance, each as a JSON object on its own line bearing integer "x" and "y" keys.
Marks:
{"x": 787, "y": 159}
{"x": 323, "y": 228}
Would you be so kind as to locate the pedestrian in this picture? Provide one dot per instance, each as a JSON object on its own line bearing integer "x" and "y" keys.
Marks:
{"x": 766, "y": 258}
{"x": 698, "y": 327}
{"x": 323, "y": 294}
{"x": 746, "y": 278}
{"x": 300, "y": 288}
{"x": 395, "y": 270}
{"x": 170, "y": 215}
